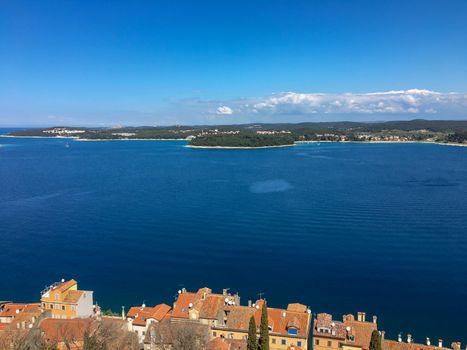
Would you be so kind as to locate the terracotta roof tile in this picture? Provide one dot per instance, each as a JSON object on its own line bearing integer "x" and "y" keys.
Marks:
{"x": 361, "y": 331}
{"x": 73, "y": 296}
{"x": 217, "y": 344}
{"x": 13, "y": 310}
{"x": 180, "y": 309}
{"x": 141, "y": 314}
{"x": 395, "y": 345}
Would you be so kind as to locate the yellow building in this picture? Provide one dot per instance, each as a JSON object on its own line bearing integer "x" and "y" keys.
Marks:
{"x": 288, "y": 328}
{"x": 64, "y": 300}
{"x": 348, "y": 334}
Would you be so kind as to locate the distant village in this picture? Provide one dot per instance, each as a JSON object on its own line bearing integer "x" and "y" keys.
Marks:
{"x": 66, "y": 318}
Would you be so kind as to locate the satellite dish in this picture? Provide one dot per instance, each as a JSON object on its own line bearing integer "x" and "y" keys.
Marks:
{"x": 63, "y": 280}
{"x": 190, "y": 305}
{"x": 348, "y": 329}
{"x": 284, "y": 314}
{"x": 333, "y": 324}
{"x": 309, "y": 311}
{"x": 257, "y": 306}
{"x": 144, "y": 305}
{"x": 179, "y": 291}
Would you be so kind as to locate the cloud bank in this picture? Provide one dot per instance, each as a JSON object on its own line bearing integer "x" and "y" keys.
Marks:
{"x": 290, "y": 107}
{"x": 400, "y": 102}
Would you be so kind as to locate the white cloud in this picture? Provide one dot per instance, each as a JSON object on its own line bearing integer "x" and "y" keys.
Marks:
{"x": 302, "y": 107}
{"x": 224, "y": 110}
{"x": 400, "y": 102}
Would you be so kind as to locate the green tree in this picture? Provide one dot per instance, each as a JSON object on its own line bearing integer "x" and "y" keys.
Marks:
{"x": 252, "y": 341}
{"x": 375, "y": 343}
{"x": 264, "y": 329}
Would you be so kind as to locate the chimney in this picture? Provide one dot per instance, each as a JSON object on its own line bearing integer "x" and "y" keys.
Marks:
{"x": 409, "y": 338}
{"x": 183, "y": 290}
{"x": 428, "y": 341}
{"x": 361, "y": 317}
{"x": 375, "y": 319}
{"x": 224, "y": 291}
{"x": 382, "y": 335}
{"x": 399, "y": 338}
{"x": 440, "y": 343}
{"x": 123, "y": 312}
{"x": 249, "y": 303}
{"x": 456, "y": 346}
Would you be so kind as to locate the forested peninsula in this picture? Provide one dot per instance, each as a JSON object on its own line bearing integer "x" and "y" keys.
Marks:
{"x": 453, "y": 132}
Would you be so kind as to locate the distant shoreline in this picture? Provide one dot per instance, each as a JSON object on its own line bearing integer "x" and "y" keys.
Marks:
{"x": 74, "y": 138}
{"x": 426, "y": 142}
{"x": 239, "y": 147}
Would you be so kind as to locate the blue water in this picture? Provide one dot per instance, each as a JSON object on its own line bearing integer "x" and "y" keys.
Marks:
{"x": 380, "y": 228}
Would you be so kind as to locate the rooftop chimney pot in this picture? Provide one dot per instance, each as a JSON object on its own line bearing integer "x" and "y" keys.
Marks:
{"x": 440, "y": 343}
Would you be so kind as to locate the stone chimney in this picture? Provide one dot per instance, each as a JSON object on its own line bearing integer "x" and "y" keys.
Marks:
{"x": 361, "y": 316}
{"x": 183, "y": 290}
{"x": 399, "y": 338}
{"x": 456, "y": 346}
{"x": 428, "y": 341}
{"x": 375, "y": 319}
{"x": 224, "y": 291}
{"x": 440, "y": 343}
{"x": 409, "y": 338}
{"x": 249, "y": 303}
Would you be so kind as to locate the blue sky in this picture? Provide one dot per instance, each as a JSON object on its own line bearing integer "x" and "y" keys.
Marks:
{"x": 167, "y": 62}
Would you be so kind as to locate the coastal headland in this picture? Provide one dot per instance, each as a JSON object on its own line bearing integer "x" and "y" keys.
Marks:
{"x": 251, "y": 136}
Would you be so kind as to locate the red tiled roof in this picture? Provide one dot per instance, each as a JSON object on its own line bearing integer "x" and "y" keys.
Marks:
{"x": 12, "y": 310}
{"x": 395, "y": 345}
{"x": 141, "y": 314}
{"x": 217, "y": 344}
{"x": 180, "y": 309}
{"x": 361, "y": 331}
{"x": 211, "y": 306}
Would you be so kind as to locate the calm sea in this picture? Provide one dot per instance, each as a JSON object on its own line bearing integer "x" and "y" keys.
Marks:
{"x": 380, "y": 228}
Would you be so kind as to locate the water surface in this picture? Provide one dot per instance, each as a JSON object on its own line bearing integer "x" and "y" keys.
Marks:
{"x": 380, "y": 228}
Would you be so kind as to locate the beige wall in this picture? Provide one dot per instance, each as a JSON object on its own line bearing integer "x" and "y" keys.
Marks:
{"x": 275, "y": 341}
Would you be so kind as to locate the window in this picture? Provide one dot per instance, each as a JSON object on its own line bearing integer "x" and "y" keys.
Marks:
{"x": 214, "y": 334}
{"x": 292, "y": 331}
{"x": 63, "y": 307}
{"x": 329, "y": 343}
{"x": 274, "y": 340}
{"x": 317, "y": 342}
{"x": 283, "y": 342}
{"x": 51, "y": 306}
{"x": 299, "y": 344}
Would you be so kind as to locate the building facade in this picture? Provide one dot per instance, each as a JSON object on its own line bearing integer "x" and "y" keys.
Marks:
{"x": 65, "y": 301}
